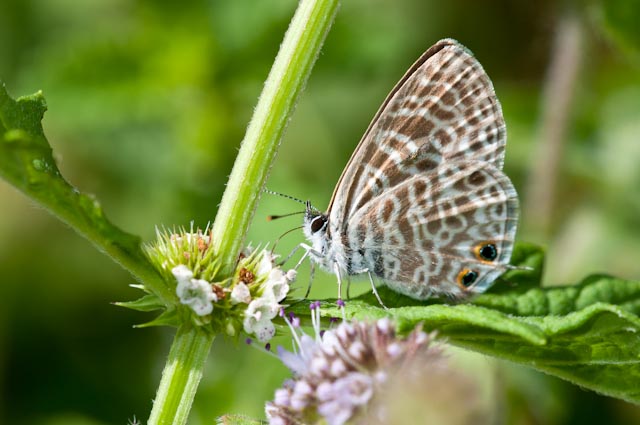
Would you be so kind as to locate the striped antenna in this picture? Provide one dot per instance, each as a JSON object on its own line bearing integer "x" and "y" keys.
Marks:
{"x": 271, "y": 192}
{"x": 275, "y": 217}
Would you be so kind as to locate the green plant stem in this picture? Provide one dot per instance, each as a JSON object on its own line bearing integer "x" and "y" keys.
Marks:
{"x": 286, "y": 80}
{"x": 181, "y": 376}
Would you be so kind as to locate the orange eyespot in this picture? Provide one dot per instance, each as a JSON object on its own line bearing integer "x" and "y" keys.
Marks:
{"x": 486, "y": 251}
{"x": 466, "y": 278}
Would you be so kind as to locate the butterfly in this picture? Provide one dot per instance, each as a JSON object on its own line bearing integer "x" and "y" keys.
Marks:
{"x": 423, "y": 204}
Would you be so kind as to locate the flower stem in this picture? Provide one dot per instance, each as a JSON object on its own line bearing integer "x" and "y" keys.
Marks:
{"x": 560, "y": 89}
{"x": 286, "y": 80}
{"x": 181, "y": 376}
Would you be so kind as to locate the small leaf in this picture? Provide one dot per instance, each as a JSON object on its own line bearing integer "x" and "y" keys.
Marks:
{"x": 167, "y": 318}
{"x": 145, "y": 303}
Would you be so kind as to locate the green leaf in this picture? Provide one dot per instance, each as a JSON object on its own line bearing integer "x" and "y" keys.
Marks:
{"x": 528, "y": 260}
{"x": 145, "y": 303}
{"x": 588, "y": 333}
{"x": 562, "y": 300}
{"x": 169, "y": 317}
{"x": 27, "y": 162}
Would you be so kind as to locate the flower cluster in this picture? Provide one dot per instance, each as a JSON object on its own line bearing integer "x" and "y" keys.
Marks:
{"x": 346, "y": 374}
{"x": 249, "y": 300}
{"x": 263, "y": 308}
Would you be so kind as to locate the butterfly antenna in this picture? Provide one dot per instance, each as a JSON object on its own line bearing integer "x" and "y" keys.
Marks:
{"x": 293, "y": 198}
{"x": 275, "y": 217}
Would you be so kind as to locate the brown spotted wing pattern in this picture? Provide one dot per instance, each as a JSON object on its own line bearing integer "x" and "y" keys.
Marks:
{"x": 423, "y": 203}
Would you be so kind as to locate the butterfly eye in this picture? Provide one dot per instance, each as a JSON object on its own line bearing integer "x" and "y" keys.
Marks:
{"x": 486, "y": 251}
{"x": 466, "y": 278}
{"x": 318, "y": 223}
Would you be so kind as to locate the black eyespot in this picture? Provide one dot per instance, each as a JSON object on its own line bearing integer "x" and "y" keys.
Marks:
{"x": 488, "y": 252}
{"x": 318, "y": 223}
{"x": 467, "y": 277}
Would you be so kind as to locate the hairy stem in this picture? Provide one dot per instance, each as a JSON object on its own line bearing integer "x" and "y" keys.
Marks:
{"x": 181, "y": 376}
{"x": 286, "y": 80}
{"x": 559, "y": 92}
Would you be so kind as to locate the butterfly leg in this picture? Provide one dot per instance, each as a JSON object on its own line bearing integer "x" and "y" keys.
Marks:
{"x": 373, "y": 286}
{"x": 348, "y": 288}
{"x": 293, "y": 251}
{"x": 336, "y": 270}
{"x": 375, "y": 291}
{"x": 311, "y": 274}
{"x": 307, "y": 252}
{"x": 299, "y": 263}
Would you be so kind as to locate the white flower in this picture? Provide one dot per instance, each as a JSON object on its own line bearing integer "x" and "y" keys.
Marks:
{"x": 266, "y": 262}
{"x": 258, "y": 316}
{"x": 196, "y": 293}
{"x": 182, "y": 273}
{"x": 266, "y": 304}
{"x": 240, "y": 294}
{"x": 291, "y": 275}
{"x": 277, "y": 285}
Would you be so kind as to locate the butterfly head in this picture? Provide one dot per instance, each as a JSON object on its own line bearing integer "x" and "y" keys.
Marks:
{"x": 315, "y": 227}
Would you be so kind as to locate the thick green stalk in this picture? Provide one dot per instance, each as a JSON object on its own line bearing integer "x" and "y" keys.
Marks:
{"x": 181, "y": 376}
{"x": 286, "y": 80}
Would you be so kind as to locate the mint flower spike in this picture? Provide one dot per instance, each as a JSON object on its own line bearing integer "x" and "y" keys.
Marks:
{"x": 248, "y": 301}
{"x": 358, "y": 373}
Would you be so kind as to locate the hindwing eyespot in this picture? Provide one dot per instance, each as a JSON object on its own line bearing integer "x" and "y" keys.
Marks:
{"x": 486, "y": 251}
{"x": 466, "y": 278}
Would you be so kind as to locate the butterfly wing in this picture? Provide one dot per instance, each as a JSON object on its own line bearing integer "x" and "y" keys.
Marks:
{"x": 443, "y": 109}
{"x": 426, "y": 235}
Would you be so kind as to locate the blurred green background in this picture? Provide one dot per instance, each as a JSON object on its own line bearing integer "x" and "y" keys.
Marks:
{"x": 148, "y": 102}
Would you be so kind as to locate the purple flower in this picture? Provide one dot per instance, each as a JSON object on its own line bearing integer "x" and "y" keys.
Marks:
{"x": 339, "y": 373}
